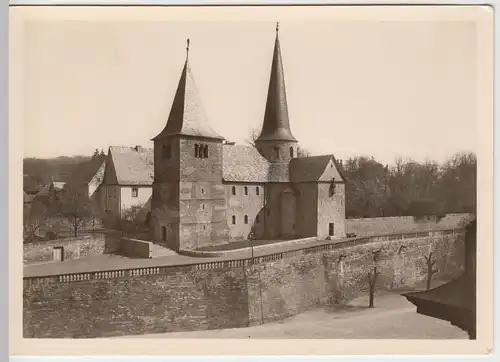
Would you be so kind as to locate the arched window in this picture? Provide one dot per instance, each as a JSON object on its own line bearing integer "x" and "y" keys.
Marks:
{"x": 246, "y": 219}
{"x": 291, "y": 152}
{"x": 233, "y": 190}
{"x": 196, "y": 152}
{"x": 233, "y": 219}
{"x": 246, "y": 190}
{"x": 205, "y": 151}
{"x": 257, "y": 191}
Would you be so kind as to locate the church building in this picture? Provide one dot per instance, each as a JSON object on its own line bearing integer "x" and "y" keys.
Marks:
{"x": 207, "y": 191}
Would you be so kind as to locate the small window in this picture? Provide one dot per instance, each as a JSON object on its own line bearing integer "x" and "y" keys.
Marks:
{"x": 291, "y": 152}
{"x": 332, "y": 187}
{"x": 257, "y": 191}
{"x": 276, "y": 153}
{"x": 205, "y": 151}
{"x": 135, "y": 192}
{"x": 164, "y": 233}
{"x": 196, "y": 147}
{"x": 98, "y": 179}
{"x": 202, "y": 191}
{"x": 246, "y": 219}
{"x": 203, "y": 206}
{"x": 200, "y": 151}
{"x": 233, "y": 219}
{"x": 331, "y": 229}
{"x": 246, "y": 190}
{"x": 257, "y": 219}
{"x": 203, "y": 227}
{"x": 233, "y": 190}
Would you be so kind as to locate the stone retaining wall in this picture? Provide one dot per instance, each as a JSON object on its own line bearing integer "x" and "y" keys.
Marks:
{"x": 73, "y": 248}
{"x": 231, "y": 293}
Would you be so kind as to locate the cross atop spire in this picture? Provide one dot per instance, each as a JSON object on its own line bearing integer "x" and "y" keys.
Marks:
{"x": 187, "y": 116}
{"x": 276, "y": 125}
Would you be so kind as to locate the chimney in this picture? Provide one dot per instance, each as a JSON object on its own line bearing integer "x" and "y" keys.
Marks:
{"x": 138, "y": 148}
{"x": 341, "y": 164}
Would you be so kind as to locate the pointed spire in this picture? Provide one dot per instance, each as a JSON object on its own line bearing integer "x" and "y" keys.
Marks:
{"x": 187, "y": 116}
{"x": 276, "y": 124}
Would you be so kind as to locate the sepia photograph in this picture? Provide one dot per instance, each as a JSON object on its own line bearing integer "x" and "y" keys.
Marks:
{"x": 289, "y": 173}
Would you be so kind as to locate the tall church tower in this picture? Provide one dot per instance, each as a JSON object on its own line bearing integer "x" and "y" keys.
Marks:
{"x": 276, "y": 142}
{"x": 188, "y": 201}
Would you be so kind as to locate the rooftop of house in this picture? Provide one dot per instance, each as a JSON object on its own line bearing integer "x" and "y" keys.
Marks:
{"x": 85, "y": 171}
{"x": 306, "y": 169}
{"x": 240, "y": 163}
{"x": 132, "y": 165}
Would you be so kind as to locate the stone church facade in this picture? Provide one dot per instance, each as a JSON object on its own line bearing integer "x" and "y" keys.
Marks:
{"x": 207, "y": 191}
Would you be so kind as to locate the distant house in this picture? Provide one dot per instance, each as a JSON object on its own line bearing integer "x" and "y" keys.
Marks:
{"x": 86, "y": 180}
{"x": 128, "y": 181}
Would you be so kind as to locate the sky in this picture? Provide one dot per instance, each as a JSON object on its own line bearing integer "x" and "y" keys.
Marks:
{"x": 368, "y": 87}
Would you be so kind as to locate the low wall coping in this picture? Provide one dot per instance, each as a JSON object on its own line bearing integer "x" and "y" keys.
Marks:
{"x": 158, "y": 266}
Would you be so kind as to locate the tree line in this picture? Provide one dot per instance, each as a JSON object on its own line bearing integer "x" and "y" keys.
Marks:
{"x": 411, "y": 188}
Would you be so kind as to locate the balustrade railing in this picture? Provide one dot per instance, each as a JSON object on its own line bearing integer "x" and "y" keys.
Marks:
{"x": 235, "y": 263}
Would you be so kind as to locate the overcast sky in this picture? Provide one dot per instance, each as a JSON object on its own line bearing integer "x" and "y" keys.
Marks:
{"x": 377, "y": 88}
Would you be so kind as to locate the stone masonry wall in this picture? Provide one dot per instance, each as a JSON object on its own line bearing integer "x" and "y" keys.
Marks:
{"x": 182, "y": 299}
{"x": 74, "y": 248}
{"x": 233, "y": 293}
{"x": 300, "y": 282}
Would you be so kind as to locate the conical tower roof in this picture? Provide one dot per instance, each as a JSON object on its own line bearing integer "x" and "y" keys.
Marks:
{"x": 187, "y": 116}
{"x": 276, "y": 126}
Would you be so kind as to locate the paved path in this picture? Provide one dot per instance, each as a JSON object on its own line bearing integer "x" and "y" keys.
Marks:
{"x": 392, "y": 318}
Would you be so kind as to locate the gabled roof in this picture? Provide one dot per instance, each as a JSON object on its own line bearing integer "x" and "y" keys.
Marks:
{"x": 307, "y": 169}
{"x": 243, "y": 164}
{"x": 132, "y": 165}
{"x": 85, "y": 171}
{"x": 187, "y": 116}
{"x": 276, "y": 124}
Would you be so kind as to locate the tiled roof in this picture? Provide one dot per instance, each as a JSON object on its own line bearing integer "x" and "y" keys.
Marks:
{"x": 187, "y": 116}
{"x": 133, "y": 166}
{"x": 305, "y": 169}
{"x": 244, "y": 164}
{"x": 276, "y": 125}
{"x": 85, "y": 171}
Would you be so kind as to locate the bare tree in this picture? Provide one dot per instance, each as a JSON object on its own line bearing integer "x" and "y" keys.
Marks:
{"x": 75, "y": 207}
{"x": 34, "y": 218}
{"x": 430, "y": 269}
{"x": 255, "y": 133}
{"x": 252, "y": 136}
{"x": 128, "y": 223}
{"x": 372, "y": 278}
